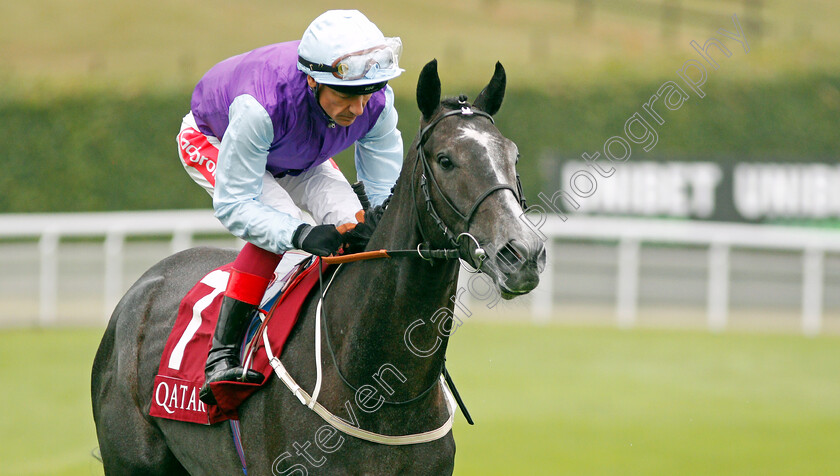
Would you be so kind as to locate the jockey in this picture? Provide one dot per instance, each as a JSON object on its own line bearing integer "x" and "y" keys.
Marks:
{"x": 259, "y": 138}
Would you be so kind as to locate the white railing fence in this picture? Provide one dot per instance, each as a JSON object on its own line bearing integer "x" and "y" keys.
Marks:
{"x": 630, "y": 235}
{"x": 718, "y": 238}
{"x": 115, "y": 228}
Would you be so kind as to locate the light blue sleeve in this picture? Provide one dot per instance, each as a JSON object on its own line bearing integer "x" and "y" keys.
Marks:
{"x": 379, "y": 154}
{"x": 241, "y": 166}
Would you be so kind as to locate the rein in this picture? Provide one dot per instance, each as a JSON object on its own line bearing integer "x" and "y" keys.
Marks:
{"x": 424, "y": 253}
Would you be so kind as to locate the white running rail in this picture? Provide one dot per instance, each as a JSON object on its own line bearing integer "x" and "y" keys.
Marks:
{"x": 115, "y": 227}
{"x": 629, "y": 234}
{"x": 719, "y": 238}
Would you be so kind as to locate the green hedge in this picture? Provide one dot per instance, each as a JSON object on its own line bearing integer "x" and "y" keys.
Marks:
{"x": 109, "y": 152}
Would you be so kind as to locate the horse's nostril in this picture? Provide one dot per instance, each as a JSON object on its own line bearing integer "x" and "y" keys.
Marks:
{"x": 541, "y": 258}
{"x": 512, "y": 256}
{"x": 517, "y": 250}
{"x": 515, "y": 255}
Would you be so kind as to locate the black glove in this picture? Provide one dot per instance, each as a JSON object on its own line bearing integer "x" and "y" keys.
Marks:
{"x": 356, "y": 240}
{"x": 321, "y": 240}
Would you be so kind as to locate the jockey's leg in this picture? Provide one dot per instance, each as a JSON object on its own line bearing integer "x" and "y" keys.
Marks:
{"x": 325, "y": 192}
{"x": 252, "y": 270}
{"x": 249, "y": 278}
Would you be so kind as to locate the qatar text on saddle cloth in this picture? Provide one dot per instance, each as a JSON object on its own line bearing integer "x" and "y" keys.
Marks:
{"x": 181, "y": 371}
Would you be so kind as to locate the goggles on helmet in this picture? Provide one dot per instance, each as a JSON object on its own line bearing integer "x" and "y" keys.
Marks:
{"x": 362, "y": 64}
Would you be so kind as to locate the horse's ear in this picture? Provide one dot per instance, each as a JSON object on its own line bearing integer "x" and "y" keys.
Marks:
{"x": 490, "y": 98}
{"x": 428, "y": 90}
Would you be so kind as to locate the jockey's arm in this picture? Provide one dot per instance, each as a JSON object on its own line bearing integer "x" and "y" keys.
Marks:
{"x": 379, "y": 154}
{"x": 324, "y": 190}
{"x": 239, "y": 177}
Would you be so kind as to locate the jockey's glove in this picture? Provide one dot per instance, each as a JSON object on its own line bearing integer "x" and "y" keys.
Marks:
{"x": 320, "y": 240}
{"x": 356, "y": 239}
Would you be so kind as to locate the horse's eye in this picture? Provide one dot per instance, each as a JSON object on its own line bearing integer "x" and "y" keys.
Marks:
{"x": 517, "y": 158}
{"x": 445, "y": 162}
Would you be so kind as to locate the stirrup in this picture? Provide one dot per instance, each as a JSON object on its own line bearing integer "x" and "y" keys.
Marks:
{"x": 232, "y": 374}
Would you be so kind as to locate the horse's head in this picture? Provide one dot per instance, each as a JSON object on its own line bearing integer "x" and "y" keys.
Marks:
{"x": 467, "y": 192}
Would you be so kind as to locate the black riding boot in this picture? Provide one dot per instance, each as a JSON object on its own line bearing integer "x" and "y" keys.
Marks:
{"x": 223, "y": 360}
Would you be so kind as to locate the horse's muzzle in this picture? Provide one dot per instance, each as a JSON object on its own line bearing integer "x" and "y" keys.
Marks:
{"x": 518, "y": 266}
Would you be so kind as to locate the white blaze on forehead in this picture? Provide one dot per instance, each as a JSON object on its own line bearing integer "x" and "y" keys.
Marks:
{"x": 491, "y": 145}
{"x": 493, "y": 150}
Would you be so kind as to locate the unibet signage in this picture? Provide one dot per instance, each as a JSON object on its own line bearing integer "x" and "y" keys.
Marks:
{"x": 739, "y": 191}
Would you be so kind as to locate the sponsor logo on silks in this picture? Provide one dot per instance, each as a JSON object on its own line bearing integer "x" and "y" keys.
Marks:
{"x": 178, "y": 400}
{"x": 197, "y": 152}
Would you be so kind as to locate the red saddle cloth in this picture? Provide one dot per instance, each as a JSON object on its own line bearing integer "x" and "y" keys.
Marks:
{"x": 181, "y": 372}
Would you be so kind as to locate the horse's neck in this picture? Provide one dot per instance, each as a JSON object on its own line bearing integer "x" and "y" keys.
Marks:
{"x": 383, "y": 299}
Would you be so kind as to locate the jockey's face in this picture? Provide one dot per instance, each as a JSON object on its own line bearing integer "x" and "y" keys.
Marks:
{"x": 342, "y": 108}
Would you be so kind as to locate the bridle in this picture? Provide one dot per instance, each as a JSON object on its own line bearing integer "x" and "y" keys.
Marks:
{"x": 478, "y": 255}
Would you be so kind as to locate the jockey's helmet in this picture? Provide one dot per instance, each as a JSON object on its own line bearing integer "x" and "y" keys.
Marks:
{"x": 346, "y": 51}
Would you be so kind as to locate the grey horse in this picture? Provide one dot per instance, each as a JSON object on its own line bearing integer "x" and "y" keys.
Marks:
{"x": 457, "y": 190}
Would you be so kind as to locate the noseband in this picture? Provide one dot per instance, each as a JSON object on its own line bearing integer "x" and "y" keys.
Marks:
{"x": 427, "y": 176}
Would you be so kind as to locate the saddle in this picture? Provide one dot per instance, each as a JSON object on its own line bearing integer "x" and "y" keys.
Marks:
{"x": 181, "y": 371}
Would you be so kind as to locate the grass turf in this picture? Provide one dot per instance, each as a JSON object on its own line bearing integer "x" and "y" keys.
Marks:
{"x": 47, "y": 426}
{"x": 546, "y": 400}
{"x": 589, "y": 401}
